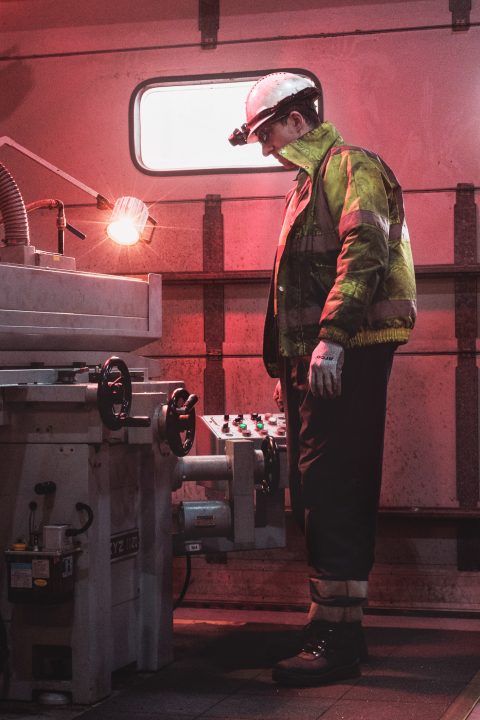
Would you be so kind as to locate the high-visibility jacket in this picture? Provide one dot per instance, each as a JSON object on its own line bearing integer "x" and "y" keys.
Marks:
{"x": 343, "y": 268}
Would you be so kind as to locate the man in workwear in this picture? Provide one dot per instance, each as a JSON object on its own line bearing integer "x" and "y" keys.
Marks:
{"x": 342, "y": 299}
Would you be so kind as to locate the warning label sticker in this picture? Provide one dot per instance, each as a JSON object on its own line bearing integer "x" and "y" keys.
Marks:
{"x": 21, "y": 575}
{"x": 40, "y": 568}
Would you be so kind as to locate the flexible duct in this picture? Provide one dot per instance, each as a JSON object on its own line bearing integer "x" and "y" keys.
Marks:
{"x": 13, "y": 210}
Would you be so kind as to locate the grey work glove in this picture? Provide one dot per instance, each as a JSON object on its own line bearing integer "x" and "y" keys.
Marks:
{"x": 325, "y": 373}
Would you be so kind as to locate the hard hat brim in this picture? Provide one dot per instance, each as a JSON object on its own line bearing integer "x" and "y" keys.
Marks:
{"x": 252, "y": 137}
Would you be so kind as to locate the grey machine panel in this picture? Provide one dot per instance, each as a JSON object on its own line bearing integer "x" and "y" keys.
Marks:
{"x": 43, "y": 309}
{"x": 215, "y": 430}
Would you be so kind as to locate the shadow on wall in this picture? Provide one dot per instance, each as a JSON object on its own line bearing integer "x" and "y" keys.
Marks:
{"x": 16, "y": 82}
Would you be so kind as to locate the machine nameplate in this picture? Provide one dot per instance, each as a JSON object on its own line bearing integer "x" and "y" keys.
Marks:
{"x": 124, "y": 544}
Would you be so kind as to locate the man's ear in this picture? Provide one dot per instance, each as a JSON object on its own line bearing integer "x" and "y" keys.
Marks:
{"x": 298, "y": 121}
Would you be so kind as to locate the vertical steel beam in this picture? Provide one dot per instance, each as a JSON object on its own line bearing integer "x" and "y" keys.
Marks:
{"x": 214, "y": 307}
{"x": 466, "y": 378}
{"x": 460, "y": 10}
{"x": 209, "y": 22}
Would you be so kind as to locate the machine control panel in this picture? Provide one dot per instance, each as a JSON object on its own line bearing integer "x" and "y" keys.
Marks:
{"x": 252, "y": 426}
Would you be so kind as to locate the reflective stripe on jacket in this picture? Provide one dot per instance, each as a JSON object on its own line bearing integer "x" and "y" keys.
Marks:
{"x": 345, "y": 272}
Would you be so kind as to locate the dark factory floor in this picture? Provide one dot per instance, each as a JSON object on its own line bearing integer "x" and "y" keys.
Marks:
{"x": 420, "y": 668}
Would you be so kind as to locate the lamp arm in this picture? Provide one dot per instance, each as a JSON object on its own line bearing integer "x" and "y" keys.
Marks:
{"x": 5, "y": 140}
{"x": 101, "y": 201}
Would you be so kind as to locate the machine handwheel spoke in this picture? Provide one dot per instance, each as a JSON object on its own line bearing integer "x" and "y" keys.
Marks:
{"x": 114, "y": 391}
{"x": 180, "y": 422}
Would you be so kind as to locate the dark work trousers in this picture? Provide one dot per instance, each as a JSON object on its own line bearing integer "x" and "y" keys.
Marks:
{"x": 335, "y": 452}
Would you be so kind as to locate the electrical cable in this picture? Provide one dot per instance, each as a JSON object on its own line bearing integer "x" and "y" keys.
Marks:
{"x": 186, "y": 582}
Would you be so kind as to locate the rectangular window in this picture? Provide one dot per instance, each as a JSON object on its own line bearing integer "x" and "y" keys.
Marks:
{"x": 182, "y": 125}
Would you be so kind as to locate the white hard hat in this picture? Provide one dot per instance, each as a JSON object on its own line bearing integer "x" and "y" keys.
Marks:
{"x": 272, "y": 93}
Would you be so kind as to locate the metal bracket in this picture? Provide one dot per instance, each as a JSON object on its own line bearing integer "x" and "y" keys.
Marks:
{"x": 209, "y": 22}
{"x": 215, "y": 353}
{"x": 460, "y": 10}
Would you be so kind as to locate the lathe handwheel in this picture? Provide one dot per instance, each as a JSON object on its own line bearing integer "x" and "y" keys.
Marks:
{"x": 271, "y": 464}
{"x": 114, "y": 392}
{"x": 180, "y": 418}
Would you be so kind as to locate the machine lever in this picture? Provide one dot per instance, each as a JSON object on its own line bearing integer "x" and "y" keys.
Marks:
{"x": 189, "y": 403}
{"x": 76, "y": 232}
{"x": 73, "y": 532}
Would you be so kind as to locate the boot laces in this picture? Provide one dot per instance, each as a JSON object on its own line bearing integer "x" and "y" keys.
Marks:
{"x": 315, "y": 648}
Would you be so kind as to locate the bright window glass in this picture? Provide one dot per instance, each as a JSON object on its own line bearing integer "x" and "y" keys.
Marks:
{"x": 185, "y": 128}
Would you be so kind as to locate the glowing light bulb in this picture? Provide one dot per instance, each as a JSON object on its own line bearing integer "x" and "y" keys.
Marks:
{"x": 123, "y": 232}
{"x": 128, "y": 220}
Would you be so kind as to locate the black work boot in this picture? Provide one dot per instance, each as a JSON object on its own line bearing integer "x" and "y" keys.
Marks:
{"x": 319, "y": 628}
{"x": 330, "y": 654}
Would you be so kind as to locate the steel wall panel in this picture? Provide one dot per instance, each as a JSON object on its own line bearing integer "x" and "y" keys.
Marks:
{"x": 435, "y": 327}
{"x": 413, "y": 96}
{"x": 248, "y": 387}
{"x": 430, "y": 224}
{"x": 379, "y": 106}
{"x": 58, "y": 28}
{"x": 419, "y": 461}
{"x": 271, "y": 18}
{"x": 245, "y": 307}
{"x": 251, "y": 233}
{"x": 188, "y": 370}
{"x": 182, "y": 332}
{"x": 421, "y": 545}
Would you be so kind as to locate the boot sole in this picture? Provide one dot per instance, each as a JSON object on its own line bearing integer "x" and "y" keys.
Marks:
{"x": 287, "y": 677}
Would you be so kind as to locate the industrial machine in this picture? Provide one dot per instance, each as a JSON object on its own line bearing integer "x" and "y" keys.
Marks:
{"x": 241, "y": 464}
{"x": 87, "y": 458}
{"x": 90, "y": 456}
{"x": 91, "y": 448}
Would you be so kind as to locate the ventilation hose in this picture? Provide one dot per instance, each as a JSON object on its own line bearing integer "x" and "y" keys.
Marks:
{"x": 13, "y": 210}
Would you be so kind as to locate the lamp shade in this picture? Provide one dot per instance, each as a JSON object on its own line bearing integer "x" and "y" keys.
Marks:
{"x": 129, "y": 216}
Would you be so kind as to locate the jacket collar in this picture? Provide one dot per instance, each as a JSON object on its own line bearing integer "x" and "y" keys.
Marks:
{"x": 308, "y": 151}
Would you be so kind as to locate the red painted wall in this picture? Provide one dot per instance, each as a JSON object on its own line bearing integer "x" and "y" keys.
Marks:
{"x": 405, "y": 85}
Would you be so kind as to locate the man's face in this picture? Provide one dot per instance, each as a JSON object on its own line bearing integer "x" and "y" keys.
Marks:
{"x": 273, "y": 136}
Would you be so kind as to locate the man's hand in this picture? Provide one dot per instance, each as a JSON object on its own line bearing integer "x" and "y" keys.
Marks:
{"x": 277, "y": 396}
{"x": 325, "y": 373}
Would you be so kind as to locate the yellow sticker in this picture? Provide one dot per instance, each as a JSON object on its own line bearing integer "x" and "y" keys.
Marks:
{"x": 40, "y": 583}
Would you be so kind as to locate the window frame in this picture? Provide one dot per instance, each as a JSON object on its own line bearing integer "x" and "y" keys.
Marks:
{"x": 134, "y": 116}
